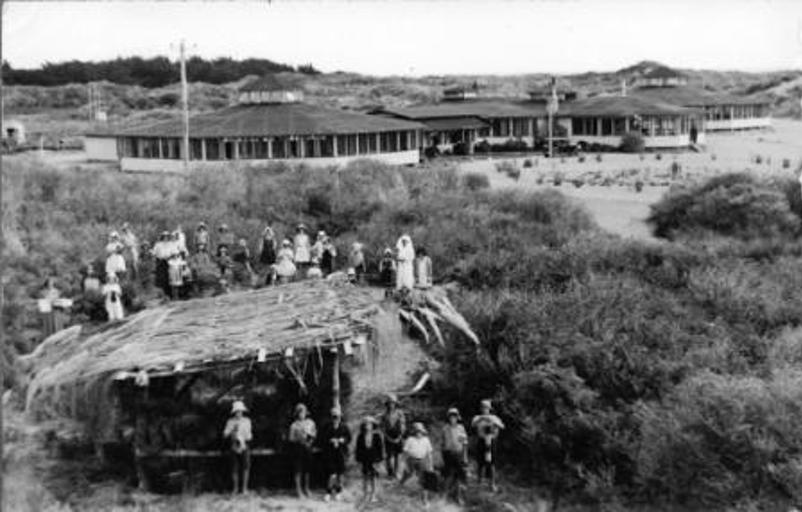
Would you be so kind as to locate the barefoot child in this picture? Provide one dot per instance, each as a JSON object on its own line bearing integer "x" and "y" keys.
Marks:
{"x": 369, "y": 454}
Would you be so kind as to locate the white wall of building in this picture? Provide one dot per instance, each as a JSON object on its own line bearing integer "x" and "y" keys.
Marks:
{"x": 100, "y": 148}
{"x": 658, "y": 141}
{"x": 738, "y": 124}
{"x": 410, "y": 157}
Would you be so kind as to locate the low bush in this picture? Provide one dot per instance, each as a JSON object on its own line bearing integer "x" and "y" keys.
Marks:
{"x": 527, "y": 163}
{"x": 632, "y": 142}
{"x": 510, "y": 169}
{"x": 736, "y": 204}
{"x": 658, "y": 156}
{"x": 639, "y": 186}
{"x": 474, "y": 181}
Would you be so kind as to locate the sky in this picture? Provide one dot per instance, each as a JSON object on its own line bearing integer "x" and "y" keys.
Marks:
{"x": 407, "y": 37}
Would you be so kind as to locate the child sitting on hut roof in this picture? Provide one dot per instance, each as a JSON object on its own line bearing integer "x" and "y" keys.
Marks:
{"x": 238, "y": 434}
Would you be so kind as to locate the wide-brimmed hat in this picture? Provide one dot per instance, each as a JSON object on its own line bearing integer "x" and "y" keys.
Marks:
{"x": 351, "y": 272}
{"x": 286, "y": 242}
{"x": 418, "y": 428}
{"x": 321, "y": 234}
{"x": 387, "y": 250}
{"x": 114, "y": 234}
{"x": 301, "y": 227}
{"x": 391, "y": 399}
{"x": 201, "y": 224}
{"x": 126, "y": 225}
{"x": 223, "y": 226}
{"x": 164, "y": 234}
{"x": 486, "y": 404}
{"x": 299, "y": 408}
{"x": 453, "y": 411}
{"x": 369, "y": 419}
{"x": 238, "y": 406}
{"x": 336, "y": 412}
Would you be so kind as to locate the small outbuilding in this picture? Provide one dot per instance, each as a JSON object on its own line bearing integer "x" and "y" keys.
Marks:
{"x": 155, "y": 390}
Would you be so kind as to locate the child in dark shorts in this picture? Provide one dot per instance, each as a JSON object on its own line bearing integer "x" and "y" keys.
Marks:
{"x": 369, "y": 454}
{"x": 487, "y": 427}
{"x": 335, "y": 439}
{"x": 455, "y": 454}
{"x": 393, "y": 425}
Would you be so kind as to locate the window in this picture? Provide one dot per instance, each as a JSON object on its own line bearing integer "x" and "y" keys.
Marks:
{"x": 364, "y": 143}
{"x": 279, "y": 147}
{"x": 195, "y": 152}
{"x": 293, "y": 148}
{"x": 327, "y": 146}
{"x": 212, "y": 149}
{"x": 373, "y": 143}
{"x": 128, "y": 147}
{"x": 520, "y": 127}
{"x": 260, "y": 148}
{"x": 309, "y": 147}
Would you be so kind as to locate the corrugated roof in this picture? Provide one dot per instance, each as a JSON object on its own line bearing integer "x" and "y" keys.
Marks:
{"x": 620, "y": 106}
{"x": 455, "y": 123}
{"x": 483, "y": 109}
{"x": 693, "y": 97}
{"x": 273, "y": 120}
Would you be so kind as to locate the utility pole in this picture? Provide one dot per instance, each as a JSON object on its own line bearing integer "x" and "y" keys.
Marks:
{"x": 185, "y": 104}
{"x": 551, "y": 109}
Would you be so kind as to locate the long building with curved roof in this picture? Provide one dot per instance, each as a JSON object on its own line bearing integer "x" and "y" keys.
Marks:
{"x": 269, "y": 124}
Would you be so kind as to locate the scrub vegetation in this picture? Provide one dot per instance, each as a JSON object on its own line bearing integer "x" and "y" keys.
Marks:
{"x": 627, "y": 372}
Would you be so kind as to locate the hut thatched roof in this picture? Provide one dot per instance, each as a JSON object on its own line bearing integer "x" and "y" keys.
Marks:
{"x": 200, "y": 333}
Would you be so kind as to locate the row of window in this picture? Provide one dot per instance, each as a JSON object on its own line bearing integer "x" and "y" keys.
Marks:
{"x": 510, "y": 127}
{"x": 647, "y": 125}
{"x": 260, "y": 148}
{"x": 722, "y": 113}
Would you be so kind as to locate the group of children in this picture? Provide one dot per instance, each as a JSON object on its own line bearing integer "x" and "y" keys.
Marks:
{"x": 404, "y": 452}
{"x": 182, "y": 268}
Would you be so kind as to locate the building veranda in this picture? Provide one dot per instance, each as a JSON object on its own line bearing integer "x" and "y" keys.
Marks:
{"x": 270, "y": 123}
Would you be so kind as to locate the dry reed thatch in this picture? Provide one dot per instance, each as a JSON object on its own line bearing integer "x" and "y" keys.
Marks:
{"x": 201, "y": 333}
{"x": 70, "y": 373}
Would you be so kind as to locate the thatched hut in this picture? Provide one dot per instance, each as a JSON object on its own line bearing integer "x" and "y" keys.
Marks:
{"x": 157, "y": 388}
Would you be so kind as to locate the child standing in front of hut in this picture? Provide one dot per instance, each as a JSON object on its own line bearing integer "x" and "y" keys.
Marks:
{"x": 369, "y": 453}
{"x": 418, "y": 458}
{"x": 239, "y": 435}
{"x": 303, "y": 433}
{"x": 455, "y": 454}
{"x": 393, "y": 424}
{"x": 487, "y": 427}
{"x": 335, "y": 439}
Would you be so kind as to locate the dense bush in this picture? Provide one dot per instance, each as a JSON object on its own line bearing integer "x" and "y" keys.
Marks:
{"x": 623, "y": 369}
{"x": 632, "y": 142}
{"x": 476, "y": 181}
{"x": 738, "y": 205}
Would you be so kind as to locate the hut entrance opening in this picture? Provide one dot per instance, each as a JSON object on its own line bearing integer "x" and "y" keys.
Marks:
{"x": 173, "y": 425}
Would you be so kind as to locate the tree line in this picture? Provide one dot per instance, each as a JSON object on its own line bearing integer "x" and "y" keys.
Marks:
{"x": 153, "y": 72}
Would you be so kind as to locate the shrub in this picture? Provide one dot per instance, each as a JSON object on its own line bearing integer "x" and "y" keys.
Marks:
{"x": 510, "y": 169}
{"x": 632, "y": 142}
{"x": 527, "y": 163}
{"x": 758, "y": 159}
{"x": 639, "y": 186}
{"x": 676, "y": 169}
{"x": 786, "y": 163}
{"x": 482, "y": 147}
{"x": 474, "y": 181}
{"x": 598, "y": 157}
{"x": 658, "y": 156}
{"x": 581, "y": 159}
{"x": 578, "y": 182}
{"x": 713, "y": 157}
{"x": 735, "y": 204}
{"x": 558, "y": 179}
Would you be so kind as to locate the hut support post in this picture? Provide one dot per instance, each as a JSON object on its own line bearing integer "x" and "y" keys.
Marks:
{"x": 335, "y": 380}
